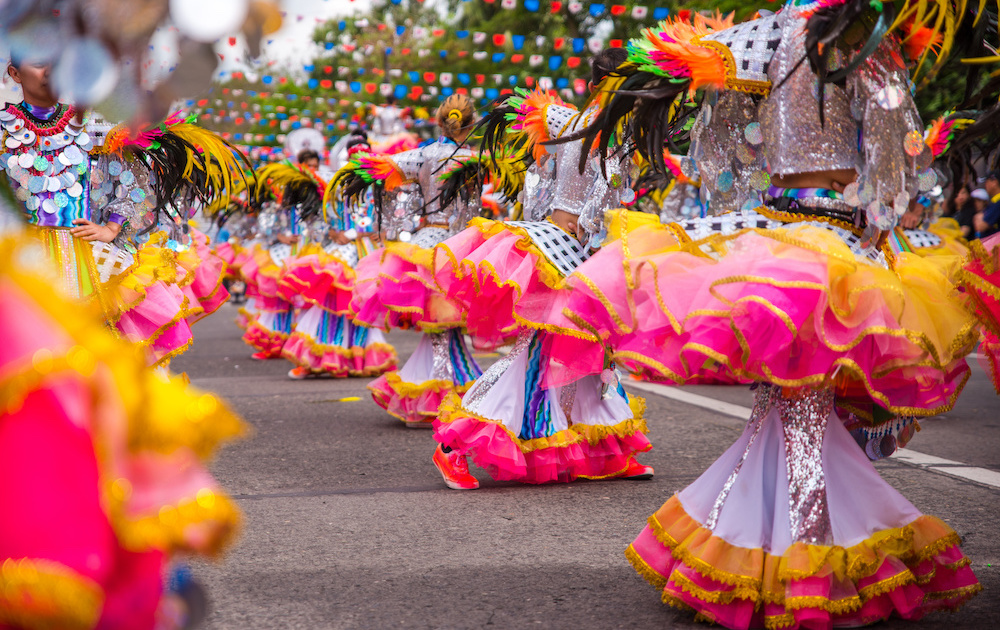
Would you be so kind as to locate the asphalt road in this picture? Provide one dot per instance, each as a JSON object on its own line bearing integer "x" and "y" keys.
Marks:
{"x": 348, "y": 524}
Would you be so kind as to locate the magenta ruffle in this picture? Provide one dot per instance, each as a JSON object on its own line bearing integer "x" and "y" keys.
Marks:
{"x": 493, "y": 449}
{"x": 393, "y": 291}
{"x": 412, "y": 408}
{"x": 338, "y": 361}
{"x": 776, "y": 311}
{"x": 942, "y": 582}
{"x": 496, "y": 279}
{"x": 318, "y": 279}
{"x": 263, "y": 340}
{"x": 157, "y": 322}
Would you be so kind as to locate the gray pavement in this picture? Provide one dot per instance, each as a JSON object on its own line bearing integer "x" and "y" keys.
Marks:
{"x": 348, "y": 524}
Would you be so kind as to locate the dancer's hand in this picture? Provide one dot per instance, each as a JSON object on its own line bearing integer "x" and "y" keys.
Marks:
{"x": 90, "y": 231}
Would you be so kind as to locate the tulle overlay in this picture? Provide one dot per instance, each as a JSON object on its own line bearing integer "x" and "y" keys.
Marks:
{"x": 121, "y": 466}
{"x": 141, "y": 300}
{"x": 500, "y": 277}
{"x": 318, "y": 278}
{"x": 519, "y": 430}
{"x": 981, "y": 279}
{"x": 788, "y": 306}
{"x": 209, "y": 273}
{"x": 727, "y": 545}
{"x": 907, "y": 571}
{"x": 441, "y": 364}
{"x": 324, "y": 342}
{"x": 396, "y": 289}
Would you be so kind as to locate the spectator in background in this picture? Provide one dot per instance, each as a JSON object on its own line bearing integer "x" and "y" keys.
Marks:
{"x": 987, "y": 221}
{"x": 308, "y": 157}
{"x": 962, "y": 208}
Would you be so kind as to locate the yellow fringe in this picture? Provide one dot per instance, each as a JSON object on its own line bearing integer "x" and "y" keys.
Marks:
{"x": 46, "y": 595}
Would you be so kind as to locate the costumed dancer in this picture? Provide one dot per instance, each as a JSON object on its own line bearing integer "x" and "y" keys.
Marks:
{"x": 325, "y": 341}
{"x": 795, "y": 289}
{"x": 395, "y": 286}
{"x": 513, "y": 422}
{"x": 103, "y": 461}
{"x": 297, "y": 193}
{"x": 88, "y": 189}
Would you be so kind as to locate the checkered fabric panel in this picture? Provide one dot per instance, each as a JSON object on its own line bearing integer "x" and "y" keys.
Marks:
{"x": 427, "y": 238}
{"x": 562, "y": 250}
{"x": 110, "y": 260}
{"x": 922, "y": 238}
{"x": 347, "y": 253}
{"x": 728, "y": 223}
{"x": 279, "y": 252}
{"x": 752, "y": 45}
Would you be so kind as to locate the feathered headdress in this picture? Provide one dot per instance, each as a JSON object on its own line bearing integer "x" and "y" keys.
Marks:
{"x": 293, "y": 185}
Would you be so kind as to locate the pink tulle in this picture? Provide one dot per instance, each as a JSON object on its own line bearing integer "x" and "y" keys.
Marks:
{"x": 156, "y": 322}
{"x": 263, "y": 340}
{"x": 207, "y": 283}
{"x": 318, "y": 279}
{"x": 336, "y": 360}
{"x": 419, "y": 408}
{"x": 494, "y": 279}
{"x": 767, "y": 316}
{"x": 493, "y": 449}
{"x": 393, "y": 291}
{"x": 940, "y": 583}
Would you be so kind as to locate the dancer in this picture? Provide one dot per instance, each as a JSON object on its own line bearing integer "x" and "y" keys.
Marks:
{"x": 792, "y": 288}
{"x": 513, "y": 422}
{"x": 294, "y": 195}
{"x": 325, "y": 341}
{"x": 88, "y": 189}
{"x": 103, "y": 461}
{"x": 395, "y": 286}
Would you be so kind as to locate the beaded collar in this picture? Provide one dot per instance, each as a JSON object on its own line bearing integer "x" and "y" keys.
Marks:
{"x": 54, "y": 125}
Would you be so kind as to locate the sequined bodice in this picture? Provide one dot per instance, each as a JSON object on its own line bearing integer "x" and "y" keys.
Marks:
{"x": 48, "y": 165}
{"x": 425, "y": 165}
{"x": 58, "y": 179}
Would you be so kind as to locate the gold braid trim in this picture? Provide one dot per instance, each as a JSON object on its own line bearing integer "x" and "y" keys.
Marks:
{"x": 647, "y": 572}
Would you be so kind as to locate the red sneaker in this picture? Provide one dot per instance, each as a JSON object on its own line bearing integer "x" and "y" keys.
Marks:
{"x": 298, "y": 373}
{"x": 455, "y": 470}
{"x": 261, "y": 356}
{"x": 636, "y": 471}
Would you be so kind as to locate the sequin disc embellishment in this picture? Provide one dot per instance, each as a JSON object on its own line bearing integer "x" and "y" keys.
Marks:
{"x": 753, "y": 133}
{"x": 724, "y": 182}
{"x": 890, "y": 97}
{"x": 913, "y": 143}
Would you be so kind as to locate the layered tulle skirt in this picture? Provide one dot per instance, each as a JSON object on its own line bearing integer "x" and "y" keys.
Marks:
{"x": 102, "y": 462}
{"x": 763, "y": 539}
{"x": 268, "y": 326}
{"x": 519, "y": 430}
{"x": 793, "y": 306}
{"x": 441, "y": 364}
{"x": 396, "y": 288}
{"x": 137, "y": 293}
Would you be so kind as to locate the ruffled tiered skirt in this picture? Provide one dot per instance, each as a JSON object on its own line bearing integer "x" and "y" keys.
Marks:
{"x": 441, "y": 364}
{"x": 325, "y": 340}
{"x": 269, "y": 326}
{"x": 794, "y": 307}
{"x": 396, "y": 289}
{"x": 138, "y": 294}
{"x": 102, "y": 462}
{"x": 726, "y": 546}
{"x": 512, "y": 421}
